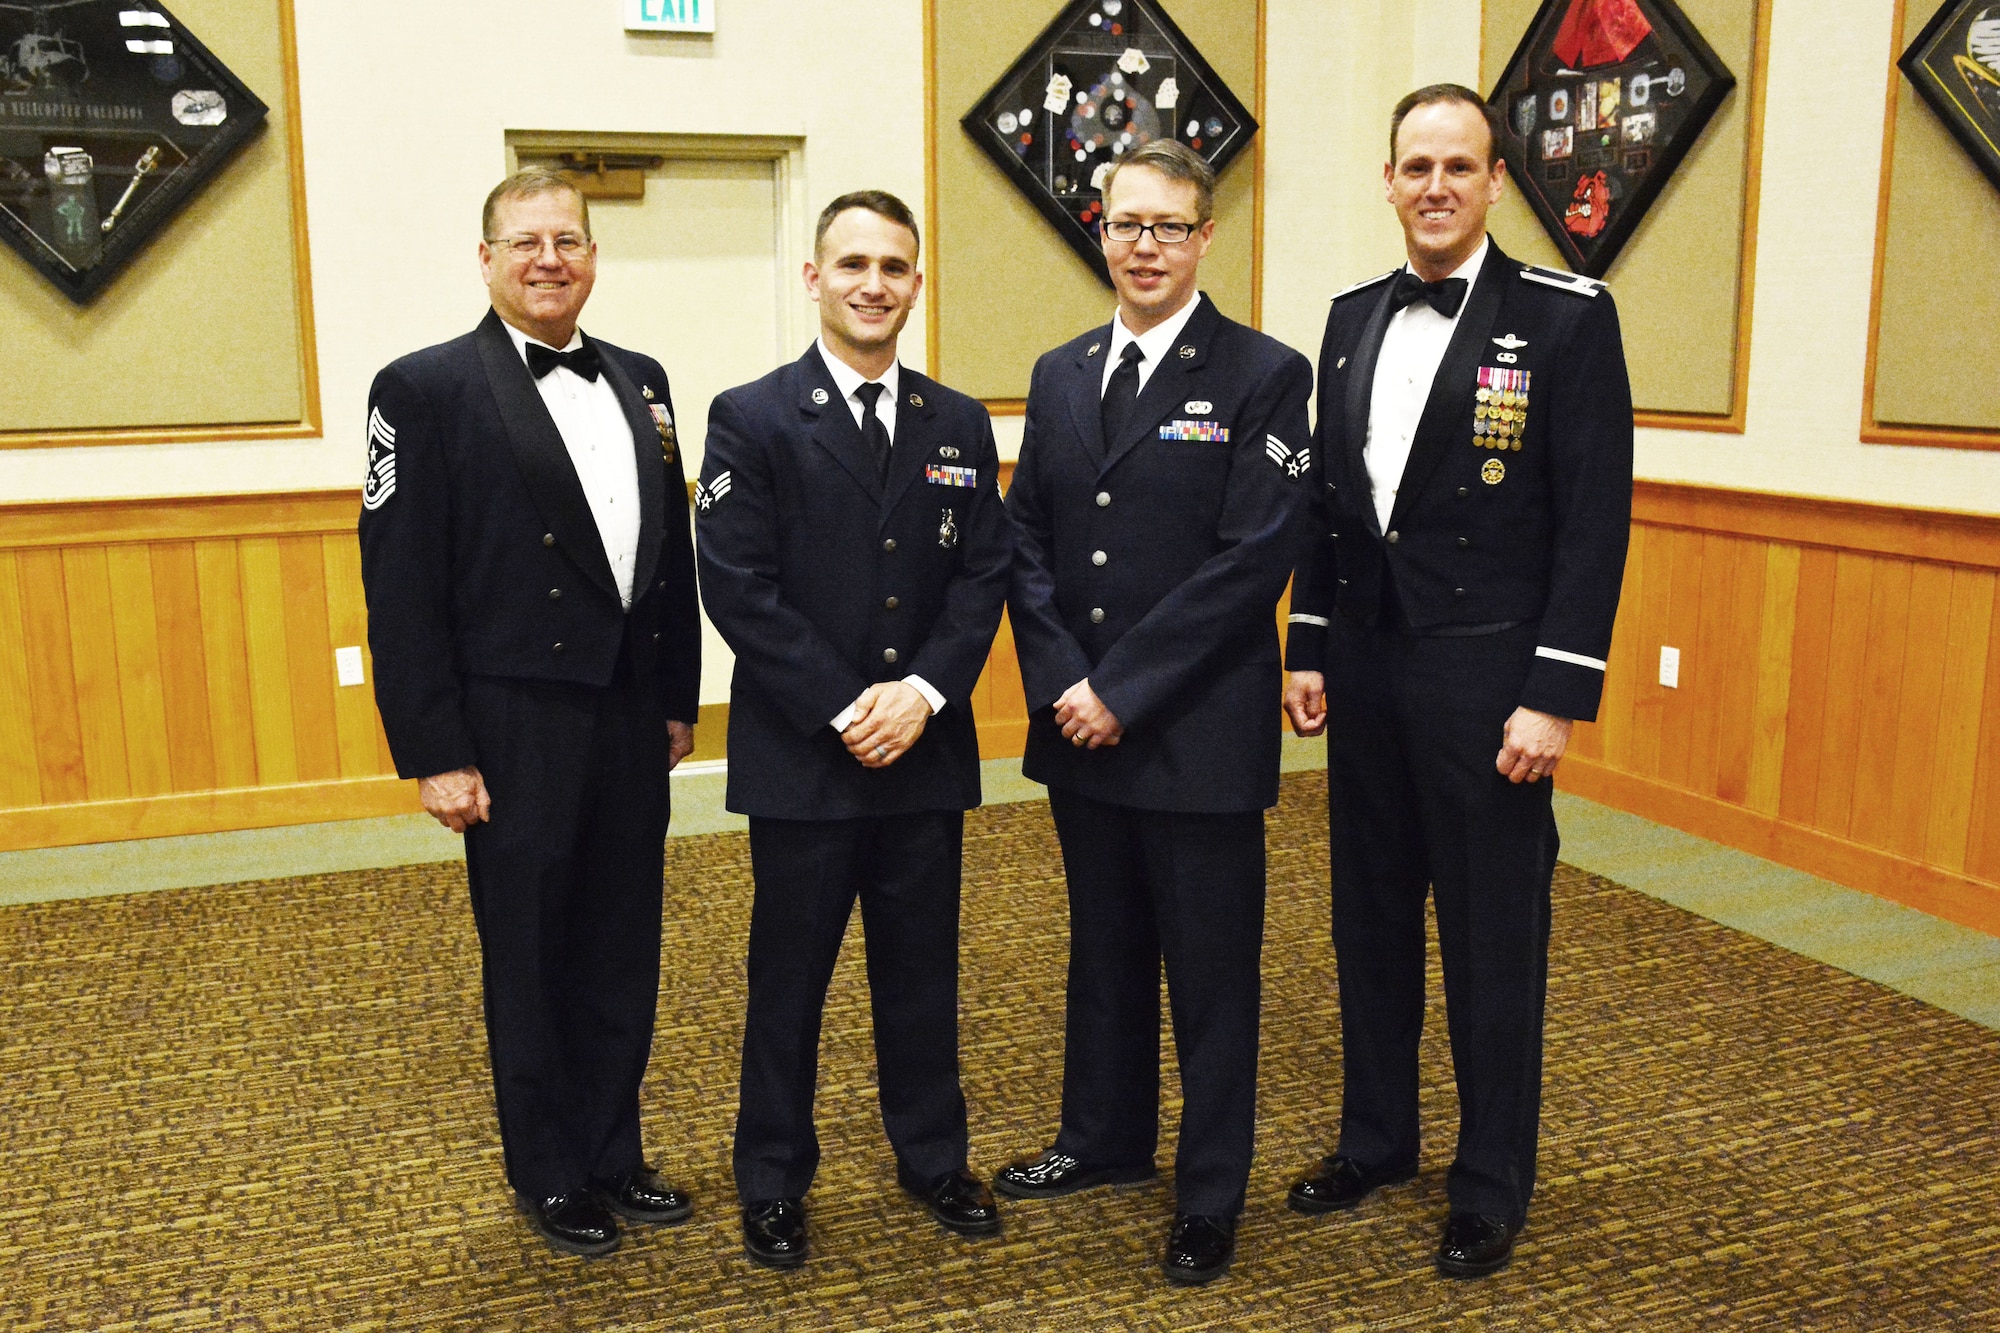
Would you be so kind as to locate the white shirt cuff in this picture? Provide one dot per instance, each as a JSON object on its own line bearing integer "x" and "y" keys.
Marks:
{"x": 845, "y": 718}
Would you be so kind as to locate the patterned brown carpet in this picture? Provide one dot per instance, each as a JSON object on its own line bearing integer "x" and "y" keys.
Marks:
{"x": 265, "y": 1106}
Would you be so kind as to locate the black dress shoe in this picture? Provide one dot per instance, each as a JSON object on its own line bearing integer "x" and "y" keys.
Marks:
{"x": 774, "y": 1232}
{"x": 1055, "y": 1173}
{"x": 957, "y": 1199}
{"x": 1341, "y": 1182}
{"x": 574, "y": 1223}
{"x": 1199, "y": 1248}
{"x": 1475, "y": 1244}
{"x": 641, "y": 1196}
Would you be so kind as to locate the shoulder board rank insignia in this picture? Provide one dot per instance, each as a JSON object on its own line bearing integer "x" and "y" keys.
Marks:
{"x": 1187, "y": 353}
{"x": 1095, "y": 348}
{"x": 819, "y": 397}
{"x": 1365, "y": 283}
{"x": 1568, "y": 282}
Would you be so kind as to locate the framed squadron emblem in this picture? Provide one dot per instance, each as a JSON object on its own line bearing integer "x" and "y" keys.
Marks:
{"x": 1601, "y": 100}
{"x": 1955, "y": 66}
{"x": 112, "y": 116}
{"x": 1105, "y": 77}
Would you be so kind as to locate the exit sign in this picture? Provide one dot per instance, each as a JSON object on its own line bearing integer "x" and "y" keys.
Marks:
{"x": 670, "y": 15}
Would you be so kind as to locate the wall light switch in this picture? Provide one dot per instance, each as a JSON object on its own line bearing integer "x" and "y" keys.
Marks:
{"x": 1670, "y": 667}
{"x": 347, "y": 665}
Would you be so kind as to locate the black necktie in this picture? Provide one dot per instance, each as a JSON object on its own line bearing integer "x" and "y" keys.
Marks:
{"x": 1121, "y": 394}
{"x": 872, "y": 429}
{"x": 583, "y": 361}
{"x": 1445, "y": 295}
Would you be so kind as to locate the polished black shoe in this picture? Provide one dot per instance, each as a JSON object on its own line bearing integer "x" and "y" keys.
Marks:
{"x": 1199, "y": 1248}
{"x": 1055, "y": 1173}
{"x": 641, "y": 1196}
{"x": 1475, "y": 1244}
{"x": 774, "y": 1232}
{"x": 574, "y": 1223}
{"x": 1341, "y": 1182}
{"x": 957, "y": 1199}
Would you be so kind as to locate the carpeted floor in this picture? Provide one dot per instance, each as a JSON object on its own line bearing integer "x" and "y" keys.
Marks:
{"x": 265, "y": 1106}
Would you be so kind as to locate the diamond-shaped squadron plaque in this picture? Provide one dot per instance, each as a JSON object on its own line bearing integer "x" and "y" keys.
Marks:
{"x": 1105, "y": 77}
{"x": 1602, "y": 100}
{"x": 112, "y": 115}
{"x": 1955, "y": 67}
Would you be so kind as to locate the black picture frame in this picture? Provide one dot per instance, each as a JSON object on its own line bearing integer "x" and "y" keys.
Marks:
{"x": 1054, "y": 158}
{"x": 1598, "y": 116}
{"x": 1954, "y": 64}
{"x": 113, "y": 115}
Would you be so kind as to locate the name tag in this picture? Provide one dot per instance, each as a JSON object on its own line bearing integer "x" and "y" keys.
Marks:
{"x": 939, "y": 474}
{"x": 1208, "y": 431}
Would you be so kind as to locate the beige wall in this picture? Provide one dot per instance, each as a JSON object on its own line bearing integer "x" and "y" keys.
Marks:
{"x": 1344, "y": 63}
{"x": 404, "y": 108}
{"x": 404, "y": 135}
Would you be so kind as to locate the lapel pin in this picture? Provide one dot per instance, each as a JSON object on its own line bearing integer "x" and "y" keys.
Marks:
{"x": 1340, "y": 364}
{"x": 819, "y": 397}
{"x": 1187, "y": 353}
{"x": 646, "y": 392}
{"x": 1094, "y": 349}
{"x": 916, "y": 400}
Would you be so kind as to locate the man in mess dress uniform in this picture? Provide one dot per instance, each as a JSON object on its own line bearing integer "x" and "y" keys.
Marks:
{"x": 537, "y": 644}
{"x": 854, "y": 554}
{"x": 1475, "y": 434}
{"x": 1160, "y": 495}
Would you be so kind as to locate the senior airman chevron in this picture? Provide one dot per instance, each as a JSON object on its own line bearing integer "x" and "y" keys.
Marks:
{"x": 708, "y": 492}
{"x": 1293, "y": 461}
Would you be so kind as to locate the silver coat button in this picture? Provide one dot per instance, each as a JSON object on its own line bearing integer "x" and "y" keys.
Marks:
{"x": 1394, "y": 536}
{"x": 548, "y": 539}
{"x": 1103, "y": 499}
{"x": 891, "y": 604}
{"x": 888, "y": 543}
{"x": 889, "y": 656}
{"x": 555, "y": 594}
{"x": 1098, "y": 557}
{"x": 1097, "y": 615}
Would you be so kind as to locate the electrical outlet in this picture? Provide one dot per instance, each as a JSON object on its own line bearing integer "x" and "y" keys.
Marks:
{"x": 347, "y": 665}
{"x": 1670, "y": 667}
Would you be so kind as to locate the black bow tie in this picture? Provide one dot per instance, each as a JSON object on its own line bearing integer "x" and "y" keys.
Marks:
{"x": 583, "y": 361}
{"x": 1445, "y": 295}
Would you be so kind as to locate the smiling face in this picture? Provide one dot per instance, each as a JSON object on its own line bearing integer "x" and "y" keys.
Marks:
{"x": 1442, "y": 182}
{"x": 1153, "y": 280}
{"x": 865, "y": 279}
{"x": 542, "y": 293}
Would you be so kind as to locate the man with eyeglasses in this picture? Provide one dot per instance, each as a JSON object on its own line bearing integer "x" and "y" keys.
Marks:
{"x": 1160, "y": 498}
{"x": 531, "y": 608}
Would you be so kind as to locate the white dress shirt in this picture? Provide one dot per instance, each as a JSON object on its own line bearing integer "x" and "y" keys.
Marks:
{"x": 1412, "y": 347}
{"x": 598, "y": 436}
{"x": 849, "y": 381}
{"x": 1154, "y": 343}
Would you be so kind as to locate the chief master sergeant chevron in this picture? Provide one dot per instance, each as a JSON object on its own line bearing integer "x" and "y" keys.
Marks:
{"x": 1475, "y": 426}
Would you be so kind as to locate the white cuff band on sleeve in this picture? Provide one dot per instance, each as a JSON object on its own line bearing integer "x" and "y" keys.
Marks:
{"x": 1574, "y": 659}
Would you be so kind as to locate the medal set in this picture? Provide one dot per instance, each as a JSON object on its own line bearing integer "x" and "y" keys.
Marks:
{"x": 1500, "y": 414}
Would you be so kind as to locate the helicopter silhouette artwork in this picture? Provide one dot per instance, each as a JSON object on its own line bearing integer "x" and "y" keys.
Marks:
{"x": 115, "y": 115}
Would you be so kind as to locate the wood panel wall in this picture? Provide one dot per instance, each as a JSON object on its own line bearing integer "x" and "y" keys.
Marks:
{"x": 167, "y": 667}
{"x": 1839, "y": 699}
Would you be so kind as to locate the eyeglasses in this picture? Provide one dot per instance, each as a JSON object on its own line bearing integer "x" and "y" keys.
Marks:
{"x": 568, "y": 245}
{"x": 1166, "y": 233}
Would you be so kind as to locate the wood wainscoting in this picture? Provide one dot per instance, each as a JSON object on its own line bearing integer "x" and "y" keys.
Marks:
{"x": 167, "y": 666}
{"x": 1838, "y": 709}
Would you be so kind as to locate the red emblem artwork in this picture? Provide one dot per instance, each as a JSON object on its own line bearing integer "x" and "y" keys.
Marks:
{"x": 1590, "y": 207}
{"x": 1600, "y": 32}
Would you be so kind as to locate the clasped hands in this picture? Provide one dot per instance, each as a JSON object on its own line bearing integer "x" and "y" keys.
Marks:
{"x": 459, "y": 799}
{"x": 888, "y": 719}
{"x": 1084, "y": 719}
{"x": 1532, "y": 744}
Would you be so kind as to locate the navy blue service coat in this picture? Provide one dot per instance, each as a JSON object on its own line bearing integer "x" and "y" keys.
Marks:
{"x": 824, "y": 582}
{"x": 1534, "y": 531}
{"x": 480, "y": 556}
{"x": 1152, "y": 564}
